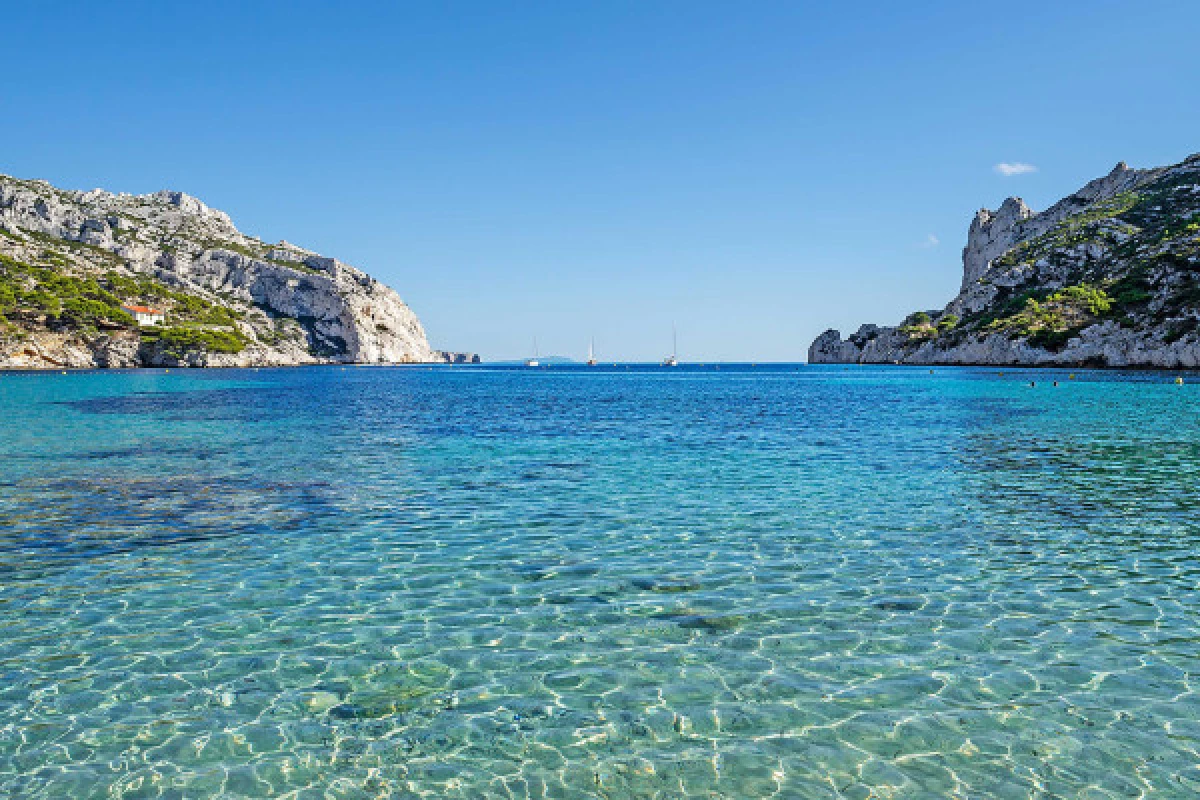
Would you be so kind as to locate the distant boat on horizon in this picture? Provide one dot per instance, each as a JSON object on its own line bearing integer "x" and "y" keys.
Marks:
{"x": 533, "y": 362}
{"x": 672, "y": 360}
{"x": 591, "y": 359}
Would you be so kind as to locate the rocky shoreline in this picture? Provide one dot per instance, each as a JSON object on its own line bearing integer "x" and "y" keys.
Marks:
{"x": 1106, "y": 277}
{"x": 74, "y": 266}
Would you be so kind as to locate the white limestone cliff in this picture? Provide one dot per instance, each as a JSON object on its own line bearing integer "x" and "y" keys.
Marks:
{"x": 295, "y": 306}
{"x": 1109, "y": 271}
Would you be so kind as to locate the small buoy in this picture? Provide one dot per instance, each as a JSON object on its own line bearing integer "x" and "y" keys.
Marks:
{"x": 64, "y": 372}
{"x": 1179, "y": 381}
{"x": 930, "y": 372}
{"x": 1056, "y": 383}
{"x": 1001, "y": 374}
{"x": 1032, "y": 383}
{"x": 1071, "y": 377}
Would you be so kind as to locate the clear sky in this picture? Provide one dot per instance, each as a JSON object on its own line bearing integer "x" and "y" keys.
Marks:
{"x": 753, "y": 172}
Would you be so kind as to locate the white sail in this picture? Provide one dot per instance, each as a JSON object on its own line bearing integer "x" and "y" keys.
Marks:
{"x": 672, "y": 360}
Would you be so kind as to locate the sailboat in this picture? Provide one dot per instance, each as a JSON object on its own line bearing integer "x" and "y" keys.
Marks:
{"x": 591, "y": 362}
{"x": 533, "y": 362}
{"x": 671, "y": 360}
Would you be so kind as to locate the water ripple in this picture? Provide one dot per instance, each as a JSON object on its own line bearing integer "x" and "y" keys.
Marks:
{"x": 779, "y": 582}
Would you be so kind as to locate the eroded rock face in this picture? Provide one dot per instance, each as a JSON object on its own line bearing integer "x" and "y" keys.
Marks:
{"x": 992, "y": 234}
{"x": 828, "y": 348}
{"x": 337, "y": 312}
{"x": 1109, "y": 270}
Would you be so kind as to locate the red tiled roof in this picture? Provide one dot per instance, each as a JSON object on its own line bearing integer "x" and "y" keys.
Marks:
{"x": 142, "y": 309}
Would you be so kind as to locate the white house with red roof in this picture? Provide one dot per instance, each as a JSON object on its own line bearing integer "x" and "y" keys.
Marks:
{"x": 144, "y": 315}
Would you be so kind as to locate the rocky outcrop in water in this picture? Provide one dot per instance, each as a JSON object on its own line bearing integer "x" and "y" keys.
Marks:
{"x": 1109, "y": 276}
{"x": 456, "y": 358}
{"x": 70, "y": 262}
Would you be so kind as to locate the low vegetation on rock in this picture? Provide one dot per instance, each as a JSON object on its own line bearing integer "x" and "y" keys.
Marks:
{"x": 70, "y": 262}
{"x": 1109, "y": 275}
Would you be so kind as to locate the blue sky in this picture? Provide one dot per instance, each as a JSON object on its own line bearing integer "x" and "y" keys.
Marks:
{"x": 753, "y": 172}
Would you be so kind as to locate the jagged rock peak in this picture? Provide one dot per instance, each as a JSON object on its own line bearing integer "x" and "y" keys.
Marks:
{"x": 1014, "y": 207}
{"x": 991, "y": 234}
{"x": 1108, "y": 275}
{"x": 1010, "y": 212}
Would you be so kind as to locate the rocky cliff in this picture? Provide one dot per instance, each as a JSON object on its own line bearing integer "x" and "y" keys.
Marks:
{"x": 73, "y": 263}
{"x": 1109, "y": 276}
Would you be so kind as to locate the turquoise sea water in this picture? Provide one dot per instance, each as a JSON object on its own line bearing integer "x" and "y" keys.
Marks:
{"x": 473, "y": 582}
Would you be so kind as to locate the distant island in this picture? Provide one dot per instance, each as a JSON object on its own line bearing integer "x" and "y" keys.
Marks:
{"x": 1105, "y": 277}
{"x": 94, "y": 279}
{"x": 545, "y": 361}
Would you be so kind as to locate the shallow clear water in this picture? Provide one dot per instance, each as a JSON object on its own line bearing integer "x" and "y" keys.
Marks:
{"x": 473, "y": 582}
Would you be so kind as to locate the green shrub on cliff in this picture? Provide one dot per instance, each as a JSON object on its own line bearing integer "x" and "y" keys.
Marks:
{"x": 64, "y": 299}
{"x": 917, "y": 326}
{"x": 181, "y": 307}
{"x": 30, "y": 292}
{"x": 1049, "y": 318}
{"x": 1096, "y": 301}
{"x": 179, "y": 340}
{"x": 83, "y": 312}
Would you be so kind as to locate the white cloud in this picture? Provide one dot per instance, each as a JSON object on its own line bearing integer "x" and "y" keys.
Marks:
{"x": 930, "y": 241}
{"x": 1008, "y": 169}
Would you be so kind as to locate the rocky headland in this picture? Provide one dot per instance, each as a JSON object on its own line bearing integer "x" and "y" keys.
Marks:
{"x": 1109, "y": 276}
{"x": 73, "y": 264}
